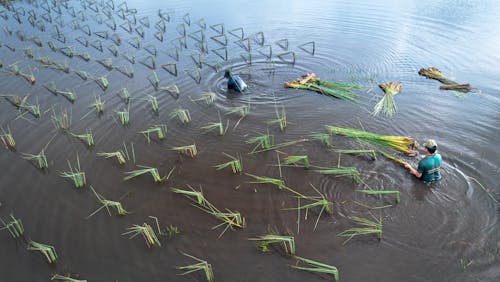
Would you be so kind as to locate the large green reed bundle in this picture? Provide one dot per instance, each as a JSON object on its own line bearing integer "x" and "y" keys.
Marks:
{"x": 14, "y": 226}
{"x": 145, "y": 170}
{"x": 75, "y": 174}
{"x": 264, "y": 142}
{"x": 147, "y": 233}
{"x": 317, "y": 267}
{"x": 286, "y": 242}
{"x": 391, "y": 157}
{"x": 88, "y": 138}
{"x": 189, "y": 150}
{"x": 40, "y": 158}
{"x": 66, "y": 278}
{"x": 403, "y": 144}
{"x": 160, "y": 130}
{"x": 355, "y": 151}
{"x": 182, "y": 115}
{"x": 280, "y": 118}
{"x": 207, "y": 97}
{"x": 387, "y": 105}
{"x": 200, "y": 264}
{"x": 297, "y": 161}
{"x": 311, "y": 82}
{"x": 8, "y": 139}
{"x": 235, "y": 164}
{"x": 105, "y": 203}
{"x": 383, "y": 192}
{"x": 47, "y": 250}
{"x": 124, "y": 116}
{"x": 342, "y": 171}
{"x": 434, "y": 73}
{"x": 368, "y": 227}
{"x": 63, "y": 121}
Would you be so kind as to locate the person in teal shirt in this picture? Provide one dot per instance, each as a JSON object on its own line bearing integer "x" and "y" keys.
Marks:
{"x": 428, "y": 167}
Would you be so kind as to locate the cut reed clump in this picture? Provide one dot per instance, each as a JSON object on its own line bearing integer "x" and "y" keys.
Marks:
{"x": 124, "y": 95}
{"x": 117, "y": 154}
{"x": 75, "y": 174}
{"x": 145, "y": 170}
{"x": 192, "y": 193}
{"x": 243, "y": 111}
{"x": 182, "y": 115}
{"x": 207, "y": 97}
{"x": 40, "y": 158}
{"x": 336, "y": 89}
{"x": 160, "y": 130}
{"x": 235, "y": 164}
{"x": 154, "y": 103}
{"x": 280, "y": 118}
{"x": 403, "y": 144}
{"x": 66, "y": 278}
{"x": 317, "y": 267}
{"x": 391, "y": 157}
{"x": 342, "y": 171}
{"x": 264, "y": 142}
{"x": 267, "y": 180}
{"x": 383, "y": 192}
{"x": 370, "y": 152}
{"x": 102, "y": 82}
{"x": 98, "y": 104}
{"x": 14, "y": 226}
{"x": 297, "y": 161}
{"x": 216, "y": 125}
{"x": 88, "y": 138}
{"x": 315, "y": 201}
{"x": 147, "y": 233}
{"x": 369, "y": 227}
{"x": 107, "y": 204}
{"x": 387, "y": 105}
{"x": 434, "y": 73}
{"x": 124, "y": 116}
{"x": 286, "y": 242}
{"x": 8, "y": 139}
{"x": 199, "y": 265}
{"x": 189, "y": 150}
{"x": 63, "y": 121}
{"x": 47, "y": 250}
{"x": 171, "y": 89}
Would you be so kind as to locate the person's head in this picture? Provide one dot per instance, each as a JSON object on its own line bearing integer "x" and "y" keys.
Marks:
{"x": 227, "y": 74}
{"x": 430, "y": 146}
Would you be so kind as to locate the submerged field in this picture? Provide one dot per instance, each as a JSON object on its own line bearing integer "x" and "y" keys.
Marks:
{"x": 125, "y": 158}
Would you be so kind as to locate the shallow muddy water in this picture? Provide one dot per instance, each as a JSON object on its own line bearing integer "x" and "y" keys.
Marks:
{"x": 447, "y": 231}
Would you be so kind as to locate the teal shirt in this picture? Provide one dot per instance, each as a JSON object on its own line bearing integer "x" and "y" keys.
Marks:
{"x": 429, "y": 167}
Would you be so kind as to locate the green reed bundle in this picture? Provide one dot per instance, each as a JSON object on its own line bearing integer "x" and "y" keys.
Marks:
{"x": 63, "y": 121}
{"x": 199, "y": 265}
{"x": 434, "y": 73}
{"x": 189, "y": 150}
{"x": 107, "y": 63}
{"x": 387, "y": 105}
{"x": 145, "y": 170}
{"x": 14, "y": 226}
{"x": 268, "y": 180}
{"x": 182, "y": 115}
{"x": 339, "y": 90}
{"x": 105, "y": 203}
{"x": 383, "y": 192}
{"x": 124, "y": 95}
{"x": 391, "y": 157}
{"x": 342, "y": 171}
{"x": 75, "y": 174}
{"x": 117, "y": 154}
{"x": 297, "y": 161}
{"x": 160, "y": 130}
{"x": 8, "y": 139}
{"x": 243, "y": 111}
{"x": 40, "y": 158}
{"x": 47, "y": 250}
{"x": 124, "y": 116}
{"x": 403, "y": 144}
{"x": 192, "y": 193}
{"x": 66, "y": 278}
{"x": 154, "y": 103}
{"x": 315, "y": 201}
{"x": 216, "y": 125}
{"x": 88, "y": 138}
{"x": 207, "y": 97}
{"x": 286, "y": 242}
{"x": 235, "y": 164}
{"x": 280, "y": 118}
{"x": 348, "y": 151}
{"x": 369, "y": 227}
{"x": 147, "y": 233}
{"x": 102, "y": 82}
{"x": 317, "y": 267}
{"x": 264, "y": 142}
{"x": 171, "y": 89}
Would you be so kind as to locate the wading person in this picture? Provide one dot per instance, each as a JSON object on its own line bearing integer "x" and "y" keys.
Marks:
{"x": 235, "y": 82}
{"x": 428, "y": 167}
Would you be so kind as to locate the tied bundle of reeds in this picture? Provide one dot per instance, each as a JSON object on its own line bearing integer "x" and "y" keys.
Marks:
{"x": 434, "y": 73}
{"x": 404, "y": 144}
{"x": 336, "y": 89}
{"x": 189, "y": 150}
{"x": 387, "y": 105}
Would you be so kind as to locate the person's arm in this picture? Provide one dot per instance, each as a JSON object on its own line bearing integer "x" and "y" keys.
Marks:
{"x": 413, "y": 170}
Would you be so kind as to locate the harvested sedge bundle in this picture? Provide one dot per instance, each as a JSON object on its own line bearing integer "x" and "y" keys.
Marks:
{"x": 47, "y": 250}
{"x": 107, "y": 204}
{"x": 75, "y": 174}
{"x": 287, "y": 242}
{"x": 387, "y": 105}
{"x": 434, "y": 73}
{"x": 200, "y": 265}
{"x": 235, "y": 164}
{"x": 14, "y": 226}
{"x": 318, "y": 267}
{"x": 189, "y": 150}
{"x": 311, "y": 82}
{"x": 369, "y": 227}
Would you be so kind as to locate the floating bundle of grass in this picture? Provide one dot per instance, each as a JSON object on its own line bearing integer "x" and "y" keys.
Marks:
{"x": 147, "y": 233}
{"x": 40, "y": 158}
{"x": 154, "y": 103}
{"x": 403, "y": 144}
{"x": 145, "y": 170}
{"x": 8, "y": 139}
{"x": 268, "y": 180}
{"x": 47, "y": 250}
{"x": 117, "y": 154}
{"x": 160, "y": 130}
{"x": 200, "y": 265}
{"x": 434, "y": 73}
{"x": 387, "y": 105}
{"x": 336, "y": 89}
{"x": 192, "y": 193}
{"x": 207, "y": 97}
{"x": 66, "y": 278}
{"x": 264, "y": 142}
{"x": 75, "y": 174}
{"x": 189, "y": 150}
{"x": 348, "y": 151}
{"x": 182, "y": 115}
{"x": 370, "y": 227}
{"x": 107, "y": 204}
{"x": 235, "y": 164}
{"x": 280, "y": 118}
{"x": 63, "y": 121}
{"x": 297, "y": 161}
{"x": 287, "y": 242}
{"x": 14, "y": 226}
{"x": 88, "y": 138}
{"x": 318, "y": 267}
{"x": 124, "y": 116}
{"x": 391, "y": 157}
{"x": 342, "y": 171}
{"x": 383, "y": 192}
